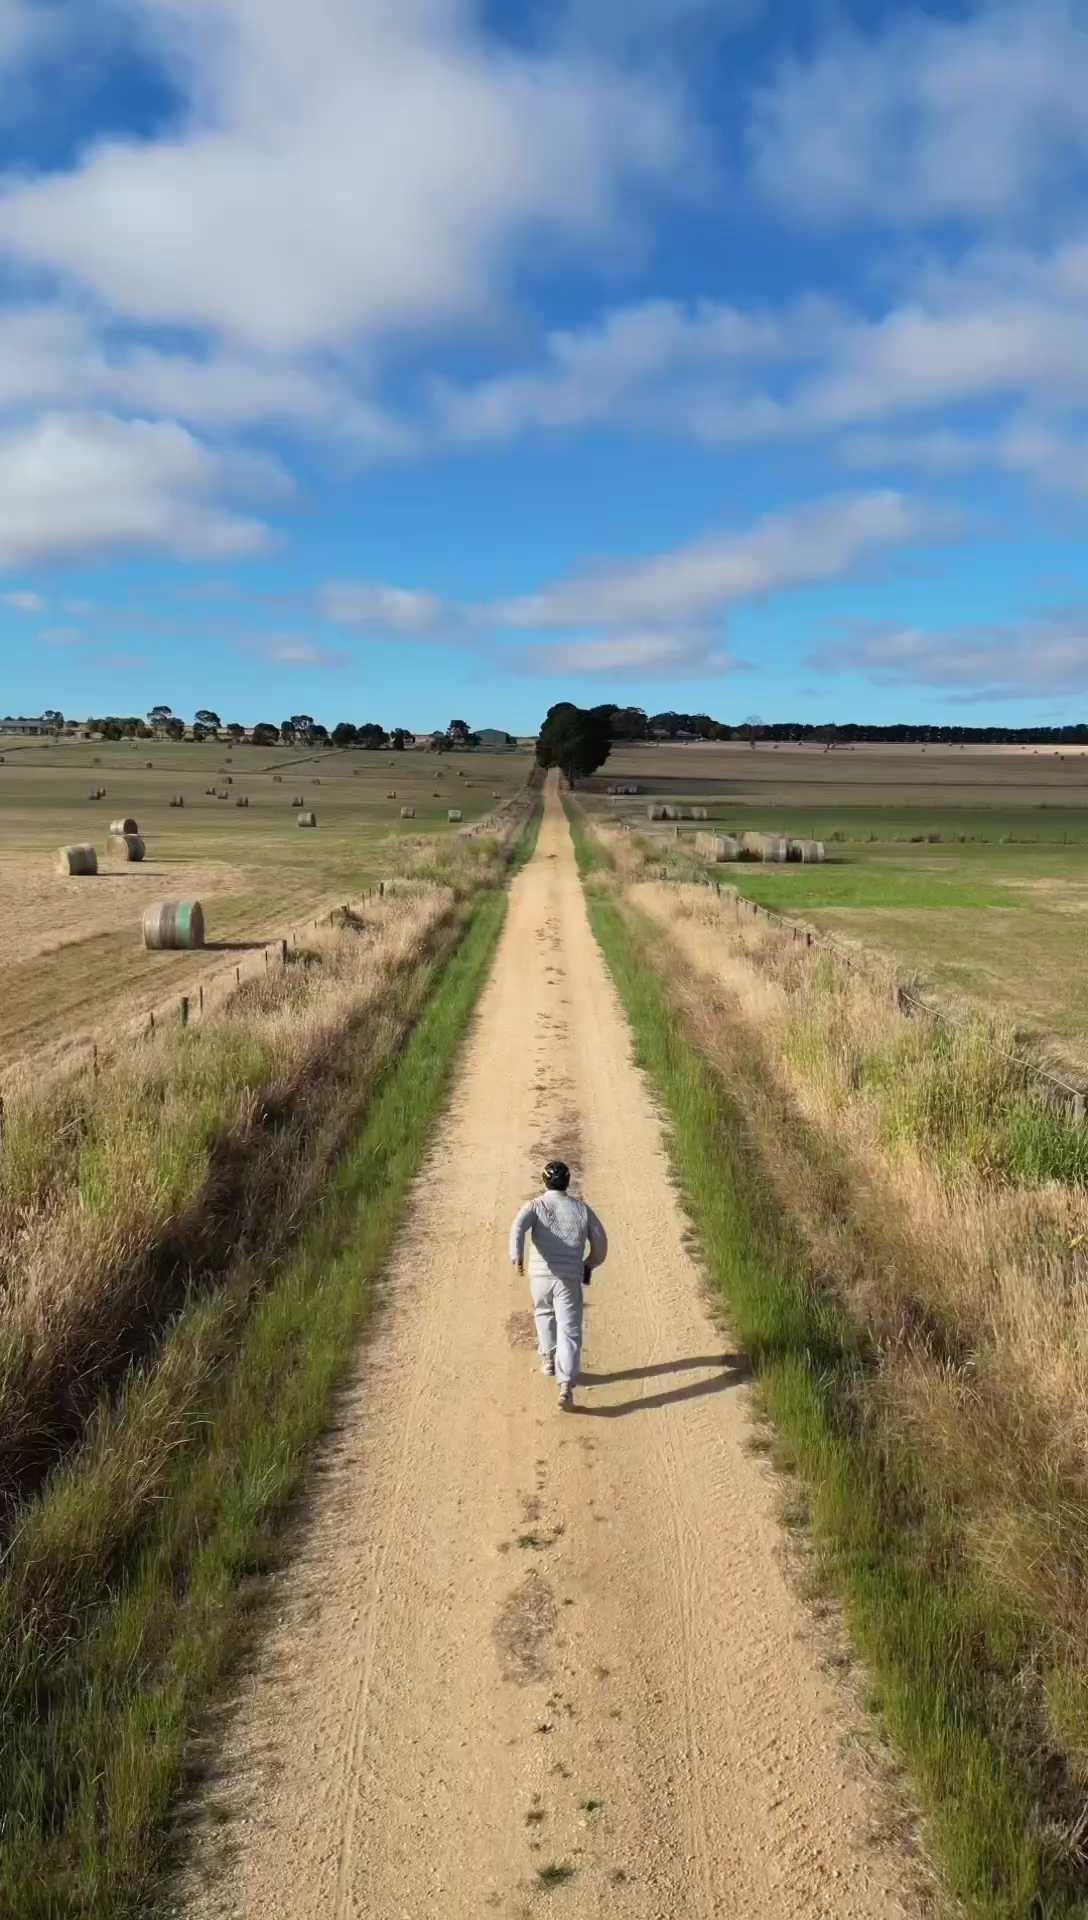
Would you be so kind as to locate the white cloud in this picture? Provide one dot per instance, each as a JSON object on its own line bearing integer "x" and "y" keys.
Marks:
{"x": 292, "y": 650}
{"x": 23, "y": 601}
{"x": 650, "y": 363}
{"x": 652, "y": 655}
{"x": 929, "y": 118}
{"x": 659, "y": 615}
{"x": 683, "y": 585}
{"x": 51, "y": 355}
{"x": 1049, "y": 458}
{"x": 347, "y": 169}
{"x": 73, "y": 485}
{"x": 1002, "y": 329}
{"x": 59, "y": 636}
{"x": 377, "y": 608}
{"x": 1041, "y": 653}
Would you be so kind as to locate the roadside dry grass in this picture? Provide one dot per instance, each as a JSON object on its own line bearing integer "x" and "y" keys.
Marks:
{"x": 948, "y": 1206}
{"x": 122, "y": 1192}
{"x": 900, "y": 1231}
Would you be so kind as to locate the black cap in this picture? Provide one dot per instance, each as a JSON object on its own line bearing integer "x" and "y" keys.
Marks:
{"x": 557, "y": 1176}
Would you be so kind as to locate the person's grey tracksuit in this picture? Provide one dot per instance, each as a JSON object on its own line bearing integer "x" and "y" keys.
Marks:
{"x": 558, "y": 1227}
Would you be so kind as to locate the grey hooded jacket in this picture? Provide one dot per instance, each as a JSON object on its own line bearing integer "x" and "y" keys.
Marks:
{"x": 558, "y": 1227}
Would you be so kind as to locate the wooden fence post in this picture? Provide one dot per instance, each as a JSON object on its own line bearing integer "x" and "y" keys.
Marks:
{"x": 184, "y": 1009}
{"x": 283, "y": 953}
{"x": 202, "y": 997}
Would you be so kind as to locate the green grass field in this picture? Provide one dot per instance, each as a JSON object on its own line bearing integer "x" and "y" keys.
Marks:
{"x": 969, "y": 867}
{"x": 72, "y": 949}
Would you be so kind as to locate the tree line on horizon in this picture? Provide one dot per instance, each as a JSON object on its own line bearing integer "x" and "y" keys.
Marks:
{"x": 161, "y": 723}
{"x": 634, "y": 724}
{"x": 622, "y": 724}
{"x": 578, "y": 740}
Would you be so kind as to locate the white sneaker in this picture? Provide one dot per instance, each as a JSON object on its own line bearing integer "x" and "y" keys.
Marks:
{"x": 547, "y": 1363}
{"x": 566, "y": 1397}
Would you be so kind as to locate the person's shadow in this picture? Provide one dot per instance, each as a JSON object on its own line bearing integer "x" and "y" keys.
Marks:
{"x": 732, "y": 1369}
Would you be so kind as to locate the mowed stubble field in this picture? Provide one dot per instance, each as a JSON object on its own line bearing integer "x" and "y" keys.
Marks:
{"x": 968, "y": 865}
{"x": 71, "y": 957}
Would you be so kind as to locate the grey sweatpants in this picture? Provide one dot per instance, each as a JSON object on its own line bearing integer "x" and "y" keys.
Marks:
{"x": 557, "y": 1310}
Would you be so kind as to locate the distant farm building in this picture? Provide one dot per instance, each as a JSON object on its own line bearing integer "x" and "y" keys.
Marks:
{"x": 31, "y": 727}
{"x": 495, "y": 740}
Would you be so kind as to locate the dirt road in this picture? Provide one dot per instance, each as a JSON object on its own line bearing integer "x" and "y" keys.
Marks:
{"x": 526, "y": 1660}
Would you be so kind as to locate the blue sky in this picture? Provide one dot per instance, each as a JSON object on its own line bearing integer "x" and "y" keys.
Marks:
{"x": 396, "y": 359}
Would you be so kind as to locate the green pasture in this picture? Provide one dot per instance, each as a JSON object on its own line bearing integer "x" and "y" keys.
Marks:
{"x": 978, "y": 886}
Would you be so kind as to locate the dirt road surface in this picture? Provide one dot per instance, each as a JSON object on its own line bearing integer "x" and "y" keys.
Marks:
{"x": 527, "y": 1661}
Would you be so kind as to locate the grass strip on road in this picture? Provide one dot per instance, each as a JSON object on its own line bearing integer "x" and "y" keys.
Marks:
{"x": 942, "y": 1654}
{"x": 128, "y": 1585}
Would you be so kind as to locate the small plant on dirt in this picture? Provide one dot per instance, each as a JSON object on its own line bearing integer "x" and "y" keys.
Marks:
{"x": 555, "y": 1875}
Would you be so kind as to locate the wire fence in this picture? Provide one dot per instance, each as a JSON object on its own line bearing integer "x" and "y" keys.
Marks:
{"x": 209, "y": 993}
{"x": 1053, "y": 1087}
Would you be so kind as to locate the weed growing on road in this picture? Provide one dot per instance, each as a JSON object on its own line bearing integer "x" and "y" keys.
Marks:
{"x": 555, "y": 1875}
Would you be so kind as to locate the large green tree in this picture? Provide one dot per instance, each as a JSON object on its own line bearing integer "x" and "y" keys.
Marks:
{"x": 577, "y": 740}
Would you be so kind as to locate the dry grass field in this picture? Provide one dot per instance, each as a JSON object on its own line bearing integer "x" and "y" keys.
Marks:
{"x": 70, "y": 951}
{"x": 968, "y": 865}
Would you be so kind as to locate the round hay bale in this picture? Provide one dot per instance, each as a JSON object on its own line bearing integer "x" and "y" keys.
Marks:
{"x": 716, "y": 846}
{"x": 453, "y": 813}
{"x": 392, "y": 794}
{"x": 127, "y": 825}
{"x": 169, "y": 925}
{"x": 277, "y": 779}
{"x": 765, "y": 846}
{"x": 307, "y": 819}
{"x": 126, "y": 846}
{"x": 407, "y": 813}
{"x": 149, "y": 764}
{"x": 79, "y": 859}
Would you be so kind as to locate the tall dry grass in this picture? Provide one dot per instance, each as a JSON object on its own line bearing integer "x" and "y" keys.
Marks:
{"x": 945, "y": 1204}
{"x": 123, "y": 1192}
{"x": 119, "y": 1194}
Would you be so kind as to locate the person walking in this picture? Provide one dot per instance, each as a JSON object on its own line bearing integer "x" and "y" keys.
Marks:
{"x": 559, "y": 1228}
